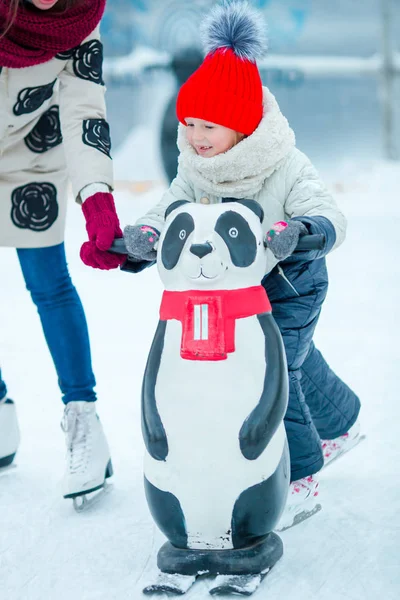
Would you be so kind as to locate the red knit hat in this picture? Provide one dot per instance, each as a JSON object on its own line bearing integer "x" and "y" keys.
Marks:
{"x": 226, "y": 89}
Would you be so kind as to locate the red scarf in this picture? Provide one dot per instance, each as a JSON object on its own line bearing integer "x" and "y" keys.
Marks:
{"x": 208, "y": 318}
{"x": 37, "y": 36}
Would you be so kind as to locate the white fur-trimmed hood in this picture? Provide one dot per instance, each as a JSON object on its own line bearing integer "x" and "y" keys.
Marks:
{"x": 244, "y": 168}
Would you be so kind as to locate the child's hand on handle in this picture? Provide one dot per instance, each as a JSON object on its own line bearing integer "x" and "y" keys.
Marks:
{"x": 283, "y": 237}
{"x": 140, "y": 241}
{"x": 103, "y": 227}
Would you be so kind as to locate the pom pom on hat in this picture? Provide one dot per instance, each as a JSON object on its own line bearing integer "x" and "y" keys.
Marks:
{"x": 226, "y": 89}
{"x": 237, "y": 26}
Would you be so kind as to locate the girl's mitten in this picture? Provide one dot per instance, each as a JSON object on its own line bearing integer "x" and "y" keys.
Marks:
{"x": 283, "y": 237}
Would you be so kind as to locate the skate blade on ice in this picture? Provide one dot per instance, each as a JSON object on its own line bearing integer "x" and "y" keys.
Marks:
{"x": 241, "y": 585}
{"x": 86, "y": 498}
{"x": 357, "y": 441}
{"x": 171, "y": 583}
{"x": 84, "y": 502}
{"x": 298, "y": 517}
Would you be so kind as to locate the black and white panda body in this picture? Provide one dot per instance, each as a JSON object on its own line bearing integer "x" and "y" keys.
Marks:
{"x": 215, "y": 387}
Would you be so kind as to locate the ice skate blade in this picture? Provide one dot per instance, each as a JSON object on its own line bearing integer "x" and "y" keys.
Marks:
{"x": 86, "y": 501}
{"x": 240, "y": 585}
{"x": 171, "y": 584}
{"x": 330, "y": 462}
{"x": 299, "y": 518}
{"x": 177, "y": 584}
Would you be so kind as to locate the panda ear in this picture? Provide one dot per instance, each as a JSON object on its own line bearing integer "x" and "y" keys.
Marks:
{"x": 174, "y": 206}
{"x": 251, "y": 204}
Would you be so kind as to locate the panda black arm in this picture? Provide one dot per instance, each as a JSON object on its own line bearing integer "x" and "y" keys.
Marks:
{"x": 261, "y": 424}
{"x": 153, "y": 430}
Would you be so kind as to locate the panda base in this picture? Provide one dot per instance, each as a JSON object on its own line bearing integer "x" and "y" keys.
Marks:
{"x": 214, "y": 395}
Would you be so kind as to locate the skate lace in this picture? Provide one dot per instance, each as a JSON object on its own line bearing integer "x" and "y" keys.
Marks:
{"x": 76, "y": 426}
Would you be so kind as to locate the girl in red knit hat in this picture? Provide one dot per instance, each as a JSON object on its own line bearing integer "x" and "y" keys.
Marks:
{"x": 53, "y": 127}
{"x": 234, "y": 144}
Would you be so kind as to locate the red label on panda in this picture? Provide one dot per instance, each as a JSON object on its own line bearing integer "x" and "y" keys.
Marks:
{"x": 208, "y": 318}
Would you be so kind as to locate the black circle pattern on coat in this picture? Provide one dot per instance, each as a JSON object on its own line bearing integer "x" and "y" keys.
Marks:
{"x": 96, "y": 133}
{"x": 47, "y": 132}
{"x": 34, "y": 206}
{"x": 30, "y": 99}
{"x": 66, "y": 55}
{"x": 87, "y": 61}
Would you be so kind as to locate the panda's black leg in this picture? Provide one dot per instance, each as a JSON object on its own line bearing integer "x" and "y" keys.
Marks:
{"x": 167, "y": 513}
{"x": 258, "y": 509}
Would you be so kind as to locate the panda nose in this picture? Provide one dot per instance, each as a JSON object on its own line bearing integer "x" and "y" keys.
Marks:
{"x": 201, "y": 250}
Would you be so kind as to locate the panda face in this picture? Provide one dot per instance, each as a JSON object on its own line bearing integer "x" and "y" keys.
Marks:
{"x": 238, "y": 237}
{"x": 219, "y": 246}
{"x": 175, "y": 239}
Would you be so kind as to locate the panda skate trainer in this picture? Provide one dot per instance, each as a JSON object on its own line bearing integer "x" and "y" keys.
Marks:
{"x": 88, "y": 462}
{"x": 9, "y": 433}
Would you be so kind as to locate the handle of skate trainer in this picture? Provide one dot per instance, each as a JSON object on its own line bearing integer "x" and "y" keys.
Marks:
{"x": 306, "y": 242}
{"x": 131, "y": 265}
{"x": 315, "y": 241}
{"x": 118, "y": 246}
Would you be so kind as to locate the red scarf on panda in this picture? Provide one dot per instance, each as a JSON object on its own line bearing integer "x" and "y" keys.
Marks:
{"x": 208, "y": 318}
{"x": 36, "y": 36}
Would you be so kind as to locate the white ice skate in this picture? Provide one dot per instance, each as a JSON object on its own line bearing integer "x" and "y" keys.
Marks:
{"x": 88, "y": 462}
{"x": 332, "y": 449}
{"x": 302, "y": 502}
{"x": 9, "y": 433}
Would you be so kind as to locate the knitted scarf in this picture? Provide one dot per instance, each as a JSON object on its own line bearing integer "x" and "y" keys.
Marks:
{"x": 241, "y": 171}
{"x": 37, "y": 36}
{"x": 208, "y": 318}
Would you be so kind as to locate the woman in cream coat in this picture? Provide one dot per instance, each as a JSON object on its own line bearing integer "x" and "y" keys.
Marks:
{"x": 53, "y": 128}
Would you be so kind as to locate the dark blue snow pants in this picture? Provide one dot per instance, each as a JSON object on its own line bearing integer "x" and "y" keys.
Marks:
{"x": 321, "y": 406}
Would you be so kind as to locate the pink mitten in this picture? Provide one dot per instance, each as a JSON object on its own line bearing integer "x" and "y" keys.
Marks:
{"x": 103, "y": 227}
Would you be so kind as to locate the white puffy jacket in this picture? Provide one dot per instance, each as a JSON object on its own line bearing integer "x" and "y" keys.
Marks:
{"x": 265, "y": 166}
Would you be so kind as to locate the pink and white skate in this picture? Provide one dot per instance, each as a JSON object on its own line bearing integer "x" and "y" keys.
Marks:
{"x": 302, "y": 502}
{"x": 333, "y": 449}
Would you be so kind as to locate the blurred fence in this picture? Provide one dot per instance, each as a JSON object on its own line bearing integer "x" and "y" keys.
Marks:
{"x": 309, "y": 47}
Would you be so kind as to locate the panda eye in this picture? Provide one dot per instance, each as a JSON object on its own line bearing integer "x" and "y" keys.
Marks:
{"x": 233, "y": 232}
{"x": 182, "y": 234}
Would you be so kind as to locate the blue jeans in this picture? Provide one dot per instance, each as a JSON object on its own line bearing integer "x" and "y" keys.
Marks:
{"x": 63, "y": 320}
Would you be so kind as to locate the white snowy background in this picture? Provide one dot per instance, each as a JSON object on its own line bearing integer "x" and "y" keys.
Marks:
{"x": 350, "y": 550}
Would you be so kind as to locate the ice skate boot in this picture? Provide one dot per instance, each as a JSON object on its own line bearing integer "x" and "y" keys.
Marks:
{"x": 88, "y": 462}
{"x": 302, "y": 502}
{"x": 332, "y": 449}
{"x": 9, "y": 433}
